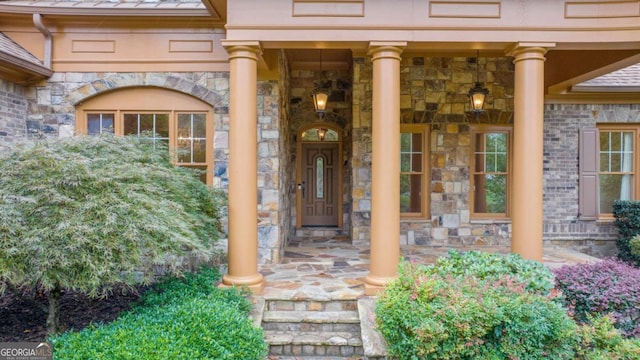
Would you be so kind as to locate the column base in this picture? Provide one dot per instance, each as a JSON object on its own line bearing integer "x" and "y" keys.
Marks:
{"x": 254, "y": 283}
{"x": 527, "y": 252}
{"x": 373, "y": 285}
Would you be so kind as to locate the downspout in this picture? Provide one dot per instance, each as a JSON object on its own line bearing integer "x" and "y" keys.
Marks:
{"x": 48, "y": 39}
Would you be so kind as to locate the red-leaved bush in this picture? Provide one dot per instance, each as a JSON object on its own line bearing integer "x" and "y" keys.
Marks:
{"x": 606, "y": 287}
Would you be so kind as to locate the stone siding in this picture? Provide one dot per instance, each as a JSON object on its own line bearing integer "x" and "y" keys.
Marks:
{"x": 51, "y": 111}
{"x": 13, "y": 111}
{"x": 302, "y": 112}
{"x": 433, "y": 91}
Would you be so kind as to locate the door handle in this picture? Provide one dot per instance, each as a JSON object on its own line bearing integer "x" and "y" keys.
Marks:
{"x": 301, "y": 187}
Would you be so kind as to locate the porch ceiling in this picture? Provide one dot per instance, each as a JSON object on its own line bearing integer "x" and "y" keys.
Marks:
{"x": 563, "y": 68}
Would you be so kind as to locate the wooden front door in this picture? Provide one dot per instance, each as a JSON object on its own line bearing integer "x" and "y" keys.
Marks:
{"x": 320, "y": 184}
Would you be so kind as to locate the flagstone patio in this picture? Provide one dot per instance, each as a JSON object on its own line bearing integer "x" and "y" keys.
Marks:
{"x": 320, "y": 268}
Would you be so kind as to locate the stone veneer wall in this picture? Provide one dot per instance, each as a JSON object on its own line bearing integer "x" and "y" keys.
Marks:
{"x": 339, "y": 113}
{"x": 433, "y": 91}
{"x": 562, "y": 127}
{"x": 51, "y": 111}
{"x": 13, "y": 111}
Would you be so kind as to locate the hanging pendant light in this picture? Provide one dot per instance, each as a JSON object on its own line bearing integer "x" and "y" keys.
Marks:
{"x": 320, "y": 96}
{"x": 478, "y": 93}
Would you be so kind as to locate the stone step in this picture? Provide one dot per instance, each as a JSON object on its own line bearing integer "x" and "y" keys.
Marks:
{"x": 323, "y": 317}
{"x": 311, "y": 305}
{"x": 309, "y": 329}
{"x": 322, "y": 233}
{"x": 313, "y": 343}
{"x": 353, "y": 328}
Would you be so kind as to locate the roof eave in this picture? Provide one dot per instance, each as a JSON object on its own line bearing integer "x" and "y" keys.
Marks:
{"x": 22, "y": 70}
{"x": 96, "y": 11}
{"x": 605, "y": 89}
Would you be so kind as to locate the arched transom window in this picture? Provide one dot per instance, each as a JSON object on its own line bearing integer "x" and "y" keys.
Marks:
{"x": 183, "y": 122}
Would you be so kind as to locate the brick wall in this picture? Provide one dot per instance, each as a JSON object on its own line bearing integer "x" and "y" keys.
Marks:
{"x": 13, "y": 111}
{"x": 562, "y": 226}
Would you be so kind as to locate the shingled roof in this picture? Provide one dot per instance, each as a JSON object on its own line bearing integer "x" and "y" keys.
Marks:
{"x": 109, "y": 7}
{"x": 18, "y": 64}
{"x": 627, "y": 78}
{"x": 10, "y": 47}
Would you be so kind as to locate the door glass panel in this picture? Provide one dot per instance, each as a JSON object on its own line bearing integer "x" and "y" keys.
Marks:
{"x": 319, "y": 177}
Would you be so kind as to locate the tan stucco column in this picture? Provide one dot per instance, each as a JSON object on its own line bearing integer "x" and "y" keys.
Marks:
{"x": 385, "y": 165}
{"x": 528, "y": 134}
{"x": 243, "y": 167}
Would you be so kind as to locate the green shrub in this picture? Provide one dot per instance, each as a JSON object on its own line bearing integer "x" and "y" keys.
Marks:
{"x": 486, "y": 266}
{"x": 456, "y": 310}
{"x": 627, "y": 215}
{"x": 600, "y": 340}
{"x": 87, "y": 213}
{"x": 185, "y": 319}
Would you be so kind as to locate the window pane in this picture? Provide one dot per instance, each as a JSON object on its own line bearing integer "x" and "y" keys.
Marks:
{"x": 416, "y": 162}
{"x": 130, "y": 122}
{"x": 146, "y": 123}
{"x": 99, "y": 124}
{"x": 405, "y": 162}
{"x": 405, "y": 142}
{"x": 199, "y": 150}
{"x": 199, "y": 125}
{"x": 416, "y": 140}
{"x": 497, "y": 142}
{"x": 410, "y": 193}
{"x": 501, "y": 162}
{"x": 192, "y": 143}
{"x": 490, "y": 193}
{"x": 162, "y": 125}
{"x": 411, "y": 152}
{"x": 491, "y": 163}
{"x": 614, "y": 187}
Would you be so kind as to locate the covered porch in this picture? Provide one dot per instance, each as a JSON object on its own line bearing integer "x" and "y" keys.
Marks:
{"x": 391, "y": 67}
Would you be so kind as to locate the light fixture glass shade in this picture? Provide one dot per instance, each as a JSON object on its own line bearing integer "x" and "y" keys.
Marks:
{"x": 320, "y": 101}
{"x": 477, "y": 95}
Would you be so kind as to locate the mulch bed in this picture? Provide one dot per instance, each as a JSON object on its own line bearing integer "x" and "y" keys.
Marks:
{"x": 22, "y": 321}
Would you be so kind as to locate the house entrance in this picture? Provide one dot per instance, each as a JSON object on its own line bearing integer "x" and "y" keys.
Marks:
{"x": 319, "y": 179}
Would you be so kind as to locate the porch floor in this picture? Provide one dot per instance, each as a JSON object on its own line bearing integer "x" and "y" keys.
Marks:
{"x": 320, "y": 268}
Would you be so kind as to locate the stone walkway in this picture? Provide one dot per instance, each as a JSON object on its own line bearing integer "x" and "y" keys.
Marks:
{"x": 332, "y": 269}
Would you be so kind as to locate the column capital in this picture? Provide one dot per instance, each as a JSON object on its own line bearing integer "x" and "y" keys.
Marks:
{"x": 248, "y": 49}
{"x": 386, "y": 49}
{"x": 529, "y": 50}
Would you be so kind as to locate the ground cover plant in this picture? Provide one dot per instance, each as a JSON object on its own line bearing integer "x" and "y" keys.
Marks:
{"x": 477, "y": 305}
{"x": 89, "y": 213}
{"x": 606, "y": 287}
{"x": 183, "y": 318}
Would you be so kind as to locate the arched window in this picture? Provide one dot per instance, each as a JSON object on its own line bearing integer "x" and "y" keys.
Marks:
{"x": 183, "y": 122}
